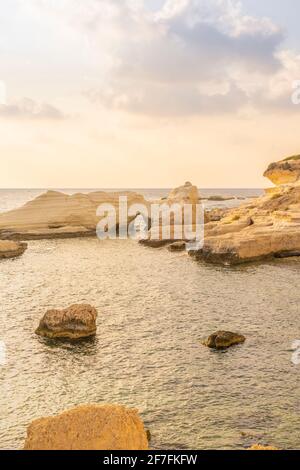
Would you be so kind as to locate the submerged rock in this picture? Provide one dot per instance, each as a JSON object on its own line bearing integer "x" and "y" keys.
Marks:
{"x": 223, "y": 340}
{"x": 11, "y": 249}
{"x": 155, "y": 243}
{"x": 75, "y": 322}
{"x": 177, "y": 246}
{"x": 89, "y": 427}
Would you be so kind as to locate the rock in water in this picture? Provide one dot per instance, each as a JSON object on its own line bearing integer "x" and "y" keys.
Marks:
{"x": 75, "y": 322}
{"x": 260, "y": 447}
{"x": 58, "y": 215}
{"x": 10, "y": 249}
{"x": 89, "y": 427}
{"x": 177, "y": 246}
{"x": 223, "y": 340}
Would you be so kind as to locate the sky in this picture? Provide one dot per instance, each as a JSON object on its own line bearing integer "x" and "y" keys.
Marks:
{"x": 110, "y": 94}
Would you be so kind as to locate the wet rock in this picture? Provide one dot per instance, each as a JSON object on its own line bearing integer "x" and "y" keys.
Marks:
{"x": 11, "y": 249}
{"x": 155, "y": 243}
{"x": 75, "y": 322}
{"x": 177, "y": 246}
{"x": 223, "y": 340}
{"x": 89, "y": 427}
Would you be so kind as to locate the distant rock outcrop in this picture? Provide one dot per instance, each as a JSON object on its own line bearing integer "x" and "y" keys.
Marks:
{"x": 89, "y": 427}
{"x": 266, "y": 227}
{"x": 172, "y": 227}
{"x": 11, "y": 249}
{"x": 223, "y": 340}
{"x": 75, "y": 322}
{"x": 58, "y": 215}
{"x": 186, "y": 194}
{"x": 284, "y": 172}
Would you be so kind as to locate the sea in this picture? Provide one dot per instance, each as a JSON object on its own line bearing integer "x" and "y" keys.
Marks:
{"x": 154, "y": 309}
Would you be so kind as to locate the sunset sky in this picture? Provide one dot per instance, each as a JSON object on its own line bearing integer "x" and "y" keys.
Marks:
{"x": 132, "y": 93}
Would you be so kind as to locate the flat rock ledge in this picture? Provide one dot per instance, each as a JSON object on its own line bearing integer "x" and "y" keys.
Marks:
{"x": 10, "y": 249}
{"x": 223, "y": 340}
{"x": 89, "y": 427}
{"x": 73, "y": 323}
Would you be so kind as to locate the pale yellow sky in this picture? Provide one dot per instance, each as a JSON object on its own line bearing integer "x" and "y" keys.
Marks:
{"x": 104, "y": 95}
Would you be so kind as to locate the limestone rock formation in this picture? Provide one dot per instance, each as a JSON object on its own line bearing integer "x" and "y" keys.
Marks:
{"x": 223, "y": 340}
{"x": 11, "y": 249}
{"x": 89, "y": 427}
{"x": 186, "y": 194}
{"x": 58, "y": 215}
{"x": 266, "y": 227}
{"x": 284, "y": 172}
{"x": 169, "y": 227}
{"x": 75, "y": 322}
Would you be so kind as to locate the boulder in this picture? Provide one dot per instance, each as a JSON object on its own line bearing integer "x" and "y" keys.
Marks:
{"x": 75, "y": 322}
{"x": 186, "y": 194}
{"x": 89, "y": 427}
{"x": 285, "y": 171}
{"x": 58, "y": 215}
{"x": 11, "y": 249}
{"x": 223, "y": 340}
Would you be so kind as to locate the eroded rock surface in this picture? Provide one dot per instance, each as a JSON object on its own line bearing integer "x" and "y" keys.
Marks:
{"x": 75, "y": 322}
{"x": 284, "y": 172}
{"x": 58, "y": 215}
{"x": 223, "y": 340}
{"x": 89, "y": 427}
{"x": 266, "y": 227}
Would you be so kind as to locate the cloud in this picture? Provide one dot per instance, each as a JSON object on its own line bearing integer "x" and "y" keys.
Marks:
{"x": 30, "y": 109}
{"x": 188, "y": 57}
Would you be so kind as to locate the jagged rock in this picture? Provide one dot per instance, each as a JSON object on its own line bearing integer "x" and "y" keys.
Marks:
{"x": 223, "y": 340}
{"x": 58, "y": 215}
{"x": 89, "y": 427}
{"x": 177, "y": 246}
{"x": 75, "y": 322}
{"x": 284, "y": 172}
{"x": 11, "y": 249}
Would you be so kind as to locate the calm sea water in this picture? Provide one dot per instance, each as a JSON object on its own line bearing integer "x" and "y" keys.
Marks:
{"x": 154, "y": 308}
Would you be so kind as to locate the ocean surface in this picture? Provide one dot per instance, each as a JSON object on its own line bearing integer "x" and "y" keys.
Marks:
{"x": 154, "y": 309}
